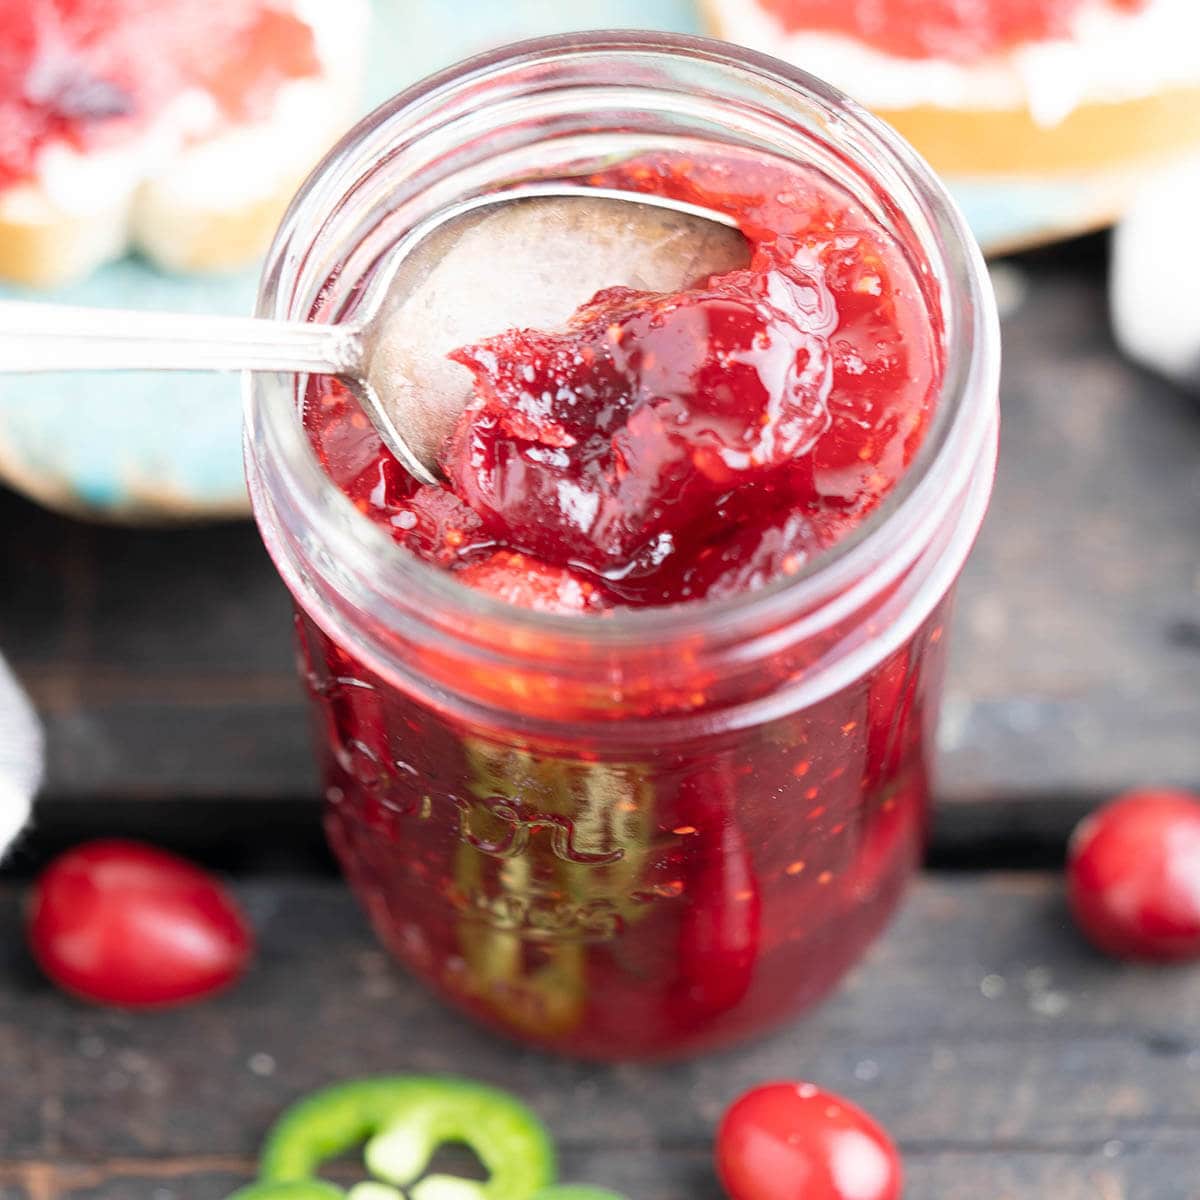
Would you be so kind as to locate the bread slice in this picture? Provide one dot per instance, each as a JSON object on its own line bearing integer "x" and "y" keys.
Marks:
{"x": 207, "y": 204}
{"x": 42, "y": 245}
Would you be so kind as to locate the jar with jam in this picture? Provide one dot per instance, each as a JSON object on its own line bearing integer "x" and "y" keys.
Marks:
{"x": 625, "y": 726}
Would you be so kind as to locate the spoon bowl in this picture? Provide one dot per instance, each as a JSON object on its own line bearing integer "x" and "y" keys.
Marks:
{"x": 525, "y": 256}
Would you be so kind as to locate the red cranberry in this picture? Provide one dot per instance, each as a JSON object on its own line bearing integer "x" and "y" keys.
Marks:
{"x": 1133, "y": 876}
{"x": 793, "y": 1141}
{"x": 122, "y": 923}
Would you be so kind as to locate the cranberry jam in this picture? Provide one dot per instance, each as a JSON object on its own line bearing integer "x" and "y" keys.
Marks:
{"x": 666, "y": 448}
{"x": 92, "y": 73}
{"x": 940, "y": 29}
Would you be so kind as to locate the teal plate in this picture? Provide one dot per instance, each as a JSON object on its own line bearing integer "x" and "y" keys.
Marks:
{"x": 147, "y": 447}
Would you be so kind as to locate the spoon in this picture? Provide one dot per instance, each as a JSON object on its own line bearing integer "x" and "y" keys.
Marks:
{"x": 524, "y": 257}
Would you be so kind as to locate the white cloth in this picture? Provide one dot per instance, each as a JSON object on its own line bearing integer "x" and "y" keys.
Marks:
{"x": 21, "y": 757}
{"x": 1155, "y": 292}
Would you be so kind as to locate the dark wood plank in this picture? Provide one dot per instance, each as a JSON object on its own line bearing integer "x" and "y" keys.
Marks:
{"x": 1161, "y": 1171}
{"x": 162, "y": 659}
{"x": 1008, "y": 1059}
{"x": 1076, "y": 662}
{"x": 121, "y": 1181}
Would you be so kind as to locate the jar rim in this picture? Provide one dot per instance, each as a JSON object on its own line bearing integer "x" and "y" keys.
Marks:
{"x": 952, "y": 449}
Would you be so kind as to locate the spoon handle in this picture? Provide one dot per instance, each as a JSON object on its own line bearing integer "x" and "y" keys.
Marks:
{"x": 51, "y": 337}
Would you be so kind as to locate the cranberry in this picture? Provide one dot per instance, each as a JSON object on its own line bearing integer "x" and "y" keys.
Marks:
{"x": 793, "y": 1141}
{"x": 1133, "y": 876}
{"x": 122, "y": 923}
{"x": 529, "y": 583}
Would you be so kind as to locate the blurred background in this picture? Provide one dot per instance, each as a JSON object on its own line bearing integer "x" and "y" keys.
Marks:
{"x": 141, "y": 614}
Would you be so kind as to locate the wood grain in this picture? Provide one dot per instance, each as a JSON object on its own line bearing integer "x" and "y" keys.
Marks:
{"x": 1010, "y": 1061}
{"x": 163, "y": 665}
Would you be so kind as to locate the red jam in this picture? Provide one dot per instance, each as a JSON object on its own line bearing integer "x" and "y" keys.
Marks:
{"x": 950, "y": 29}
{"x": 91, "y": 72}
{"x": 665, "y": 448}
{"x": 573, "y": 889}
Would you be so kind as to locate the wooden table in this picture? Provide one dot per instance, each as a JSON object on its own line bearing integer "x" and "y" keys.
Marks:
{"x": 1010, "y": 1061}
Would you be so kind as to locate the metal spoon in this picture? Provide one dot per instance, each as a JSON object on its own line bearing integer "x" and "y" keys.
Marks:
{"x": 526, "y": 256}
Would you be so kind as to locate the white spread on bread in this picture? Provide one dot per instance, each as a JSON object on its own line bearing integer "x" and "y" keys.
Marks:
{"x": 1113, "y": 56}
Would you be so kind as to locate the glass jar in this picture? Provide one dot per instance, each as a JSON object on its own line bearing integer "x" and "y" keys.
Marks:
{"x": 658, "y": 832}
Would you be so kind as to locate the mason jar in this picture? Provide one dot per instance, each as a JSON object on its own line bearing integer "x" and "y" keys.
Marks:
{"x": 669, "y": 828}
